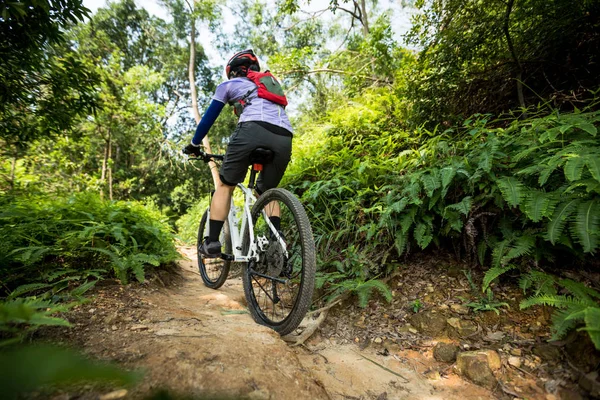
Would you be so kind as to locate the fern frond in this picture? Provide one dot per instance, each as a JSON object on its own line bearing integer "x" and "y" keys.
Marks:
{"x": 448, "y": 174}
{"x": 558, "y": 301}
{"x": 498, "y": 252}
{"x": 523, "y": 245}
{"x": 544, "y": 283}
{"x": 592, "y": 161}
{"x": 574, "y": 167}
{"x": 464, "y": 207}
{"x": 512, "y": 190}
{"x": 400, "y": 242}
{"x": 561, "y": 324}
{"x": 493, "y": 273}
{"x": 537, "y": 205}
{"x": 559, "y": 219}
{"x": 430, "y": 182}
{"x": 580, "y": 290}
{"x": 586, "y": 227}
{"x": 423, "y": 235}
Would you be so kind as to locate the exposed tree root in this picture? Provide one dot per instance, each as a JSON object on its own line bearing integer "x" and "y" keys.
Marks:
{"x": 314, "y": 324}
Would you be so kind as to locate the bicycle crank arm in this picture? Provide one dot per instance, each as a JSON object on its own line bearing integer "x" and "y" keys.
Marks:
{"x": 279, "y": 280}
{"x": 227, "y": 257}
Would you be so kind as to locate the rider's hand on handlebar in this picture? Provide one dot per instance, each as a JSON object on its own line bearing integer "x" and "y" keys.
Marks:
{"x": 190, "y": 150}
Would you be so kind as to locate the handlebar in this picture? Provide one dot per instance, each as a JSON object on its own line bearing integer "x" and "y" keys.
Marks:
{"x": 208, "y": 157}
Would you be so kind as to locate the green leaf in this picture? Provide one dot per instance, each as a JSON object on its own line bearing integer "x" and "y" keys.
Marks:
{"x": 21, "y": 290}
{"x": 586, "y": 226}
{"x": 574, "y": 167}
{"x": 400, "y": 242}
{"x": 588, "y": 127}
{"x": 494, "y": 273}
{"x": 423, "y": 235}
{"x": 30, "y": 368}
{"x": 448, "y": 174}
{"x": 512, "y": 190}
{"x": 559, "y": 219}
{"x": 592, "y": 161}
{"x": 464, "y": 207}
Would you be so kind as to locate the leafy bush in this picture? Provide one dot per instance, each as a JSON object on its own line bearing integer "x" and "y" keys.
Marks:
{"x": 77, "y": 238}
{"x": 493, "y": 191}
{"x": 187, "y": 225}
{"x": 581, "y": 306}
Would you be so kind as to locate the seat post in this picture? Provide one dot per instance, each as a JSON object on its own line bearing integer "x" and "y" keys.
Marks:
{"x": 255, "y": 168}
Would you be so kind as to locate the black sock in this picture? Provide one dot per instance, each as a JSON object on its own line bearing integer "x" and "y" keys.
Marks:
{"x": 214, "y": 228}
{"x": 276, "y": 221}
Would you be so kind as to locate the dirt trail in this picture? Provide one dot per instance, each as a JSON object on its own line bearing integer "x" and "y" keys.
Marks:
{"x": 197, "y": 341}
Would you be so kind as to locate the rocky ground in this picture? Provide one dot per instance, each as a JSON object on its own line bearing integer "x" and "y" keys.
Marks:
{"x": 425, "y": 344}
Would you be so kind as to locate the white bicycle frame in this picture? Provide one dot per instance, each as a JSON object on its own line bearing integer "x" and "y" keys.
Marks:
{"x": 237, "y": 229}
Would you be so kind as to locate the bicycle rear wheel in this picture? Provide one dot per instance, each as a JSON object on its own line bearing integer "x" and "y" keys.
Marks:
{"x": 279, "y": 287}
{"x": 214, "y": 271}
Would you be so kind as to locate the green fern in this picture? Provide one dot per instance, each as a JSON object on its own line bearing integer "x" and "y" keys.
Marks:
{"x": 579, "y": 307}
{"x": 586, "y": 227}
{"x": 559, "y": 219}
{"x": 464, "y": 207}
{"x": 592, "y": 161}
{"x": 494, "y": 273}
{"x": 574, "y": 167}
{"x": 512, "y": 190}
{"x": 538, "y": 204}
{"x": 521, "y": 246}
{"x": 540, "y": 281}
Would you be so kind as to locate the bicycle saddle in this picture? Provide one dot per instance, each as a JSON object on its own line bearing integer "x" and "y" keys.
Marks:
{"x": 261, "y": 155}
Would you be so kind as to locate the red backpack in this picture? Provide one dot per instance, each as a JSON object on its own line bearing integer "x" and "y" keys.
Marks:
{"x": 268, "y": 88}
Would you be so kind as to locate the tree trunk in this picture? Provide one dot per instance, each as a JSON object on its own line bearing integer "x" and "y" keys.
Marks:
{"x": 205, "y": 142}
{"x": 365, "y": 20}
{"x": 13, "y": 169}
{"x": 110, "y": 181}
{"x": 511, "y": 48}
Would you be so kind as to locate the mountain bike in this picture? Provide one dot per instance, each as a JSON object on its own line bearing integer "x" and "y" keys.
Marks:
{"x": 278, "y": 265}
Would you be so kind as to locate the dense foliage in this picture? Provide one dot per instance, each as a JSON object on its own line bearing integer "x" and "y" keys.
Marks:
{"x": 479, "y": 139}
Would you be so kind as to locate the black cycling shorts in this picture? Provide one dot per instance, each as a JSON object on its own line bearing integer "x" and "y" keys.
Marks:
{"x": 247, "y": 137}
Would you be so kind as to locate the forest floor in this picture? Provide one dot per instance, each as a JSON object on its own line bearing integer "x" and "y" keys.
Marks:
{"x": 195, "y": 342}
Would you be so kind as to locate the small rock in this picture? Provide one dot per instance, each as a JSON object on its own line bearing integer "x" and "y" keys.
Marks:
{"x": 378, "y": 340}
{"x": 445, "y": 352}
{"x": 514, "y": 361}
{"x": 479, "y": 367}
{"x": 429, "y": 323}
{"x": 516, "y": 352}
{"x": 413, "y": 330}
{"x": 92, "y": 310}
{"x": 114, "y": 327}
{"x": 460, "y": 309}
{"x": 117, "y": 394}
{"x": 462, "y": 328}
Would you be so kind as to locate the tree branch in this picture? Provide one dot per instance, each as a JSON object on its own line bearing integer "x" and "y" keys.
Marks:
{"x": 334, "y": 71}
{"x": 511, "y": 48}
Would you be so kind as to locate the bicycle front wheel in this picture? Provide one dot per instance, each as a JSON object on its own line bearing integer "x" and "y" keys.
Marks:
{"x": 214, "y": 271}
{"x": 279, "y": 286}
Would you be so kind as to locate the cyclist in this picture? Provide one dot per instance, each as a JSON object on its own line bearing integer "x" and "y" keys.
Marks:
{"x": 263, "y": 123}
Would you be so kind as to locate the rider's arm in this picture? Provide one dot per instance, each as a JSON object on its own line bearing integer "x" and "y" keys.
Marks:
{"x": 208, "y": 119}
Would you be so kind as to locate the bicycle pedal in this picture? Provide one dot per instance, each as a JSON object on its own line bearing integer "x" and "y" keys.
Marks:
{"x": 227, "y": 257}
